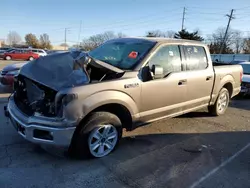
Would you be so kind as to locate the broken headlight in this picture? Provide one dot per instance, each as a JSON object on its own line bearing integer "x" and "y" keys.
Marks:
{"x": 68, "y": 98}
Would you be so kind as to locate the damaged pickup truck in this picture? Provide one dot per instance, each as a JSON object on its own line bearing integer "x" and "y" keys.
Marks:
{"x": 83, "y": 101}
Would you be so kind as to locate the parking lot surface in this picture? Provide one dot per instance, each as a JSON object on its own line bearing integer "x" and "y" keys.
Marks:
{"x": 4, "y": 63}
{"x": 194, "y": 150}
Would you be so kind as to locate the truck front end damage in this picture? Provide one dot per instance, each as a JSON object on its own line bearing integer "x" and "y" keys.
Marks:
{"x": 42, "y": 109}
{"x": 35, "y": 108}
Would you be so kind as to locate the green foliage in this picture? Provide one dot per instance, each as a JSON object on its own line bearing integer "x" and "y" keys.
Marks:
{"x": 31, "y": 40}
{"x": 215, "y": 48}
{"x": 183, "y": 34}
{"x": 45, "y": 42}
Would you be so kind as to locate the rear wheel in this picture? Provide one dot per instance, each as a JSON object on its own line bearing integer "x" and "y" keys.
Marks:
{"x": 31, "y": 58}
{"x": 221, "y": 103}
{"x": 8, "y": 58}
{"x": 98, "y": 136}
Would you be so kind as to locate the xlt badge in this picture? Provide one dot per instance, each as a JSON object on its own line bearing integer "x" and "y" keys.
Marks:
{"x": 131, "y": 85}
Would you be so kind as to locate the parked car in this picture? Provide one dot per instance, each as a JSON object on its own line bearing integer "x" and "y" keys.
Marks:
{"x": 40, "y": 52}
{"x": 83, "y": 101}
{"x": 238, "y": 62}
{"x": 9, "y": 72}
{"x": 20, "y": 54}
{"x": 245, "y": 86}
{"x": 4, "y": 50}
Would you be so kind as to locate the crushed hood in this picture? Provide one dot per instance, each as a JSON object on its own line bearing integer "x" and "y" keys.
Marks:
{"x": 55, "y": 71}
{"x": 62, "y": 70}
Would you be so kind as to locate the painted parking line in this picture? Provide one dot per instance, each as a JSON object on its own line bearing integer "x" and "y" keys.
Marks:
{"x": 212, "y": 172}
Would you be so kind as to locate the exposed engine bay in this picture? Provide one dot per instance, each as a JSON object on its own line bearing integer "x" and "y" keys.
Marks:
{"x": 36, "y": 86}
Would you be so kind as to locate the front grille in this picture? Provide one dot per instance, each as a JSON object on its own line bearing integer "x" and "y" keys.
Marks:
{"x": 26, "y": 98}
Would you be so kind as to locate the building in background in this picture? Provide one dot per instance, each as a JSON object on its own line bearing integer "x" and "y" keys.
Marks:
{"x": 59, "y": 47}
{"x": 2, "y": 42}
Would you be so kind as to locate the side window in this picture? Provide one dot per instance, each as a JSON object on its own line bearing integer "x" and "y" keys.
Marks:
{"x": 196, "y": 57}
{"x": 168, "y": 57}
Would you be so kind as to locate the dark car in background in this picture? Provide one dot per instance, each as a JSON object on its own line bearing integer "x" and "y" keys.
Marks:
{"x": 9, "y": 72}
{"x": 20, "y": 54}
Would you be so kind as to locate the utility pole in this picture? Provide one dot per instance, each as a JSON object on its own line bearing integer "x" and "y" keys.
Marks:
{"x": 65, "y": 38}
{"x": 183, "y": 18}
{"x": 228, "y": 24}
{"x": 79, "y": 35}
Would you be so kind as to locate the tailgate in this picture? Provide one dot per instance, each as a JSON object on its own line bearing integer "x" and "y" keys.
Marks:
{"x": 225, "y": 74}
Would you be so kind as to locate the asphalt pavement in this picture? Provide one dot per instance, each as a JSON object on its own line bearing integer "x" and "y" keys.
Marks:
{"x": 194, "y": 150}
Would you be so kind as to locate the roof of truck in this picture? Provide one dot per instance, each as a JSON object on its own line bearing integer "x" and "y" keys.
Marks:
{"x": 167, "y": 40}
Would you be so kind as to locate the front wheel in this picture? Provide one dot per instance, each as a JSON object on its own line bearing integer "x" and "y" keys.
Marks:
{"x": 221, "y": 103}
{"x": 31, "y": 58}
{"x": 98, "y": 136}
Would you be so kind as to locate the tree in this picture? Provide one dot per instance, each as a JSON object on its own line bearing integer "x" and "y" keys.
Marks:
{"x": 155, "y": 33}
{"x": 13, "y": 38}
{"x": 184, "y": 34}
{"x": 233, "y": 40}
{"x": 96, "y": 40}
{"x": 170, "y": 34}
{"x": 246, "y": 47}
{"x": 121, "y": 35}
{"x": 214, "y": 48}
{"x": 31, "y": 40}
{"x": 44, "y": 41}
{"x": 238, "y": 41}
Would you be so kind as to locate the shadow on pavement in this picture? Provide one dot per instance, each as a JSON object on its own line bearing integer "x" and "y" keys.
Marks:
{"x": 152, "y": 160}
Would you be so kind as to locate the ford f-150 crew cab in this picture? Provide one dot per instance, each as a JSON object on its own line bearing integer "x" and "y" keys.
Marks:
{"x": 84, "y": 100}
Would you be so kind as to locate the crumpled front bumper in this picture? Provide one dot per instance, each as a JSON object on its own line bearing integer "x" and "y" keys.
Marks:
{"x": 40, "y": 130}
{"x": 7, "y": 80}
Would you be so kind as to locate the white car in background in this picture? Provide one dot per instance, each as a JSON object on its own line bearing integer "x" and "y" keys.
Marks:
{"x": 40, "y": 52}
{"x": 245, "y": 85}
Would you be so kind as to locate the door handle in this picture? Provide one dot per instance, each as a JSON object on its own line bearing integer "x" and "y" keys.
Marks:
{"x": 209, "y": 78}
{"x": 182, "y": 82}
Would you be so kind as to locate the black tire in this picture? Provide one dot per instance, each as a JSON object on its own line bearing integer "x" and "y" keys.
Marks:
{"x": 214, "y": 109}
{"x": 79, "y": 147}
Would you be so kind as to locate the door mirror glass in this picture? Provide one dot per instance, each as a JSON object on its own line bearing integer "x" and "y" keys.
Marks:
{"x": 157, "y": 71}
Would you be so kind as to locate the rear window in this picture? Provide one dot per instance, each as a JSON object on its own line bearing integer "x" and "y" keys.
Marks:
{"x": 123, "y": 54}
{"x": 196, "y": 57}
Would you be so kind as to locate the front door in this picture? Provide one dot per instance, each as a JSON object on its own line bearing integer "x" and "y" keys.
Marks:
{"x": 165, "y": 96}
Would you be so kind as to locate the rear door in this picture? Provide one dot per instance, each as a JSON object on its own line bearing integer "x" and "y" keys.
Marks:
{"x": 200, "y": 76}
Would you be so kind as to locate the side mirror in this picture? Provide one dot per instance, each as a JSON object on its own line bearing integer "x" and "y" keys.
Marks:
{"x": 157, "y": 71}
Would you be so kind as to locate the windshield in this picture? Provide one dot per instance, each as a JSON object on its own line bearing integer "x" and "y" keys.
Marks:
{"x": 246, "y": 68}
{"x": 122, "y": 53}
